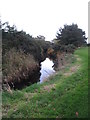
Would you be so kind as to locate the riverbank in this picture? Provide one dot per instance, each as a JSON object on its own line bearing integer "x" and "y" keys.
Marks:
{"x": 65, "y": 95}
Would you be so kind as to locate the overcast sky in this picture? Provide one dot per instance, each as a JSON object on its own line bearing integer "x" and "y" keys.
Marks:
{"x": 44, "y": 17}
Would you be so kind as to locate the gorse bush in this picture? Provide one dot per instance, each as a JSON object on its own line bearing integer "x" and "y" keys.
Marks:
{"x": 17, "y": 66}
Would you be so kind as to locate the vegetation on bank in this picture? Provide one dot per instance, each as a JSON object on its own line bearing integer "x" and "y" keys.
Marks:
{"x": 21, "y": 56}
{"x": 64, "y": 95}
{"x": 18, "y": 68}
{"x": 22, "y": 53}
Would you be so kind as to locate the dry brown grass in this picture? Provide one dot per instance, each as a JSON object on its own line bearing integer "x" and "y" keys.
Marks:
{"x": 49, "y": 87}
{"x": 17, "y": 65}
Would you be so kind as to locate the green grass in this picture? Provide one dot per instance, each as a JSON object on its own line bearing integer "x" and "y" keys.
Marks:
{"x": 70, "y": 94}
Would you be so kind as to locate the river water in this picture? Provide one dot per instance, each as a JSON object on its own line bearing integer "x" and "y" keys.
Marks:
{"x": 46, "y": 69}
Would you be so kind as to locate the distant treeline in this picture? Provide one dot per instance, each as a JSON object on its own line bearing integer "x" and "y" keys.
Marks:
{"x": 22, "y": 41}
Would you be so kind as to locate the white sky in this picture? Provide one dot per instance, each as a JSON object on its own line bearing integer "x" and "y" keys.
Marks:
{"x": 44, "y": 17}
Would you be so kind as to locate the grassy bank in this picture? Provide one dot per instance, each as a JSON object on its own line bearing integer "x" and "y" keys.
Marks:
{"x": 65, "y": 95}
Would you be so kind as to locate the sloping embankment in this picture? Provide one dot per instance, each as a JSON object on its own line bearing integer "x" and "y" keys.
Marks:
{"x": 65, "y": 95}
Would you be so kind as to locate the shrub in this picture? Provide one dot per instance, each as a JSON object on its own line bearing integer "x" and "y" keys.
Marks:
{"x": 70, "y": 48}
{"x": 71, "y": 34}
{"x": 17, "y": 66}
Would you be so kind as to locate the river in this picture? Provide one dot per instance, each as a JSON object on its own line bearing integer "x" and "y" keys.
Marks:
{"x": 46, "y": 69}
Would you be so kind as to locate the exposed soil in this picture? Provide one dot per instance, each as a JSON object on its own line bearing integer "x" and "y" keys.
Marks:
{"x": 62, "y": 60}
{"x": 78, "y": 59}
{"x": 72, "y": 70}
{"x": 48, "y": 87}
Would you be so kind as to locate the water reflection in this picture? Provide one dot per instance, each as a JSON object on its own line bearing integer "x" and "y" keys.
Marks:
{"x": 46, "y": 69}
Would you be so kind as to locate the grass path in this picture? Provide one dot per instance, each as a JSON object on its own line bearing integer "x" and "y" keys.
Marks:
{"x": 65, "y": 95}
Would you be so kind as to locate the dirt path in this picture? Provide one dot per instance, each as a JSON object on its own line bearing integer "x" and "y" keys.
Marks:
{"x": 72, "y": 70}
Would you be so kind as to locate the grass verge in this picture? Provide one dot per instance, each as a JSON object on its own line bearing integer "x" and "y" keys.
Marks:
{"x": 63, "y": 96}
